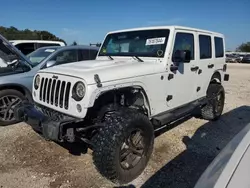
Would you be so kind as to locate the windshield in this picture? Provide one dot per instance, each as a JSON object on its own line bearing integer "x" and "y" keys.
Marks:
{"x": 145, "y": 43}
{"x": 39, "y": 55}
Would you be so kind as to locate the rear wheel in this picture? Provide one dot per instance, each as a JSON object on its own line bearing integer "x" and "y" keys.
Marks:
{"x": 123, "y": 146}
{"x": 215, "y": 105}
{"x": 9, "y": 99}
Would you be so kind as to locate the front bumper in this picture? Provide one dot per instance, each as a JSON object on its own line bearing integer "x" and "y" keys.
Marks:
{"x": 53, "y": 125}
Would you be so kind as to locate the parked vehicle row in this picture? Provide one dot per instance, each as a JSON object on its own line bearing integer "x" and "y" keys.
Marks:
{"x": 237, "y": 58}
{"x": 246, "y": 59}
{"x": 17, "y": 71}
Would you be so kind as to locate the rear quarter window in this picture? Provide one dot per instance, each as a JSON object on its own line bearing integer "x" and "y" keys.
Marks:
{"x": 219, "y": 47}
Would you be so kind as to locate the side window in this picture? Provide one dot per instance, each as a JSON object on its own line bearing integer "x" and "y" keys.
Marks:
{"x": 92, "y": 54}
{"x": 184, "y": 41}
{"x": 46, "y": 44}
{"x": 83, "y": 55}
{"x": 26, "y": 48}
{"x": 205, "y": 47}
{"x": 66, "y": 56}
{"x": 219, "y": 47}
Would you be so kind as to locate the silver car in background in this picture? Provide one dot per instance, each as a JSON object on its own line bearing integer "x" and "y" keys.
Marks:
{"x": 17, "y": 71}
{"x": 231, "y": 168}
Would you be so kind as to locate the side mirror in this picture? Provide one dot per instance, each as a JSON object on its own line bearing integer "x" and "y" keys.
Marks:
{"x": 50, "y": 63}
{"x": 182, "y": 56}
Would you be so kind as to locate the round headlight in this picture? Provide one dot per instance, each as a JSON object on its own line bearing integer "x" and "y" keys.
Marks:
{"x": 37, "y": 81}
{"x": 79, "y": 91}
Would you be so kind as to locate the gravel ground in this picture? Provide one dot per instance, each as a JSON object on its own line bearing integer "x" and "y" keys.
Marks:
{"x": 181, "y": 153}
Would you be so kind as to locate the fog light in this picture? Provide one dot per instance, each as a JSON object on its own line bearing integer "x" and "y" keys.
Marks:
{"x": 79, "y": 108}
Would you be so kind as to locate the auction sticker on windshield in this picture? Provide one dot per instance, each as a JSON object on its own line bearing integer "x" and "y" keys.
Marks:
{"x": 155, "y": 41}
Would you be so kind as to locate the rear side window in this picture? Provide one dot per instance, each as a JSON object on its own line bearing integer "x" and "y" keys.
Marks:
{"x": 83, "y": 55}
{"x": 92, "y": 54}
{"x": 219, "y": 47}
{"x": 26, "y": 48}
{"x": 205, "y": 47}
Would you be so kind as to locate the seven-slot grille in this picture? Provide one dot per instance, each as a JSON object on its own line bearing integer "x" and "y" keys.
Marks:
{"x": 55, "y": 92}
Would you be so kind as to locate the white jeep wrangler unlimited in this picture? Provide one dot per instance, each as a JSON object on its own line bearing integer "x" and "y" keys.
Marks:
{"x": 142, "y": 79}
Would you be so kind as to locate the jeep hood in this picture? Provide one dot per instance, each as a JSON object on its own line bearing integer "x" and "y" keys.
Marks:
{"x": 108, "y": 70}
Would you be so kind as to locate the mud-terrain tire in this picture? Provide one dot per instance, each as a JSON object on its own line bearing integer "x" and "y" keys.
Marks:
{"x": 215, "y": 105}
{"x": 9, "y": 99}
{"x": 109, "y": 146}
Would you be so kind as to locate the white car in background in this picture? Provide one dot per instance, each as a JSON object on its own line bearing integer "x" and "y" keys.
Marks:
{"x": 231, "y": 168}
{"x": 28, "y": 46}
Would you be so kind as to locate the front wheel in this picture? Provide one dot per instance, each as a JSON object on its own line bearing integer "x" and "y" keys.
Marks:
{"x": 9, "y": 99}
{"x": 123, "y": 146}
{"x": 215, "y": 105}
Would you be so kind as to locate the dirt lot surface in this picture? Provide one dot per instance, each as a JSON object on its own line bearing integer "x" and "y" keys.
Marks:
{"x": 180, "y": 154}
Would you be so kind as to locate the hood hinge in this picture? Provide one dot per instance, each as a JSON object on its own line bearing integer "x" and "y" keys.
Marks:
{"x": 97, "y": 80}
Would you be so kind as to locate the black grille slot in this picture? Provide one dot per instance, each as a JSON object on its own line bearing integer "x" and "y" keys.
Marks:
{"x": 62, "y": 94}
{"x": 52, "y": 91}
{"x": 48, "y": 91}
{"x": 45, "y": 89}
{"x": 66, "y": 100}
{"x": 57, "y": 92}
{"x": 41, "y": 89}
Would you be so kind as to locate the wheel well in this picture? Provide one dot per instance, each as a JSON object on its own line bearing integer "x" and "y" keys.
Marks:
{"x": 216, "y": 78}
{"x": 21, "y": 89}
{"x": 132, "y": 97}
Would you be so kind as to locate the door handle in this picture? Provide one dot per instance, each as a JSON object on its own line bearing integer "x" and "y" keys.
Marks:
{"x": 194, "y": 68}
{"x": 173, "y": 68}
{"x": 210, "y": 66}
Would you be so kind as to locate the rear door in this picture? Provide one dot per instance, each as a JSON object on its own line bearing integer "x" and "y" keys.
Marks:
{"x": 206, "y": 62}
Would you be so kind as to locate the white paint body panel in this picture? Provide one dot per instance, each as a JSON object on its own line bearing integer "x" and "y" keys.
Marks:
{"x": 15, "y": 42}
{"x": 127, "y": 71}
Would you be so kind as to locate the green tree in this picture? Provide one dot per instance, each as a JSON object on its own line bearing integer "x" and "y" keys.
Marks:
{"x": 13, "y": 33}
{"x": 244, "y": 47}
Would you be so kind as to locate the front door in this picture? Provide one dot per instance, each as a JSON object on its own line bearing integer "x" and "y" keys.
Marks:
{"x": 182, "y": 87}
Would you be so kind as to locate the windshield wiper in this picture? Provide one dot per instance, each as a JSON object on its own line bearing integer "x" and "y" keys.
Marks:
{"x": 110, "y": 57}
{"x": 139, "y": 59}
